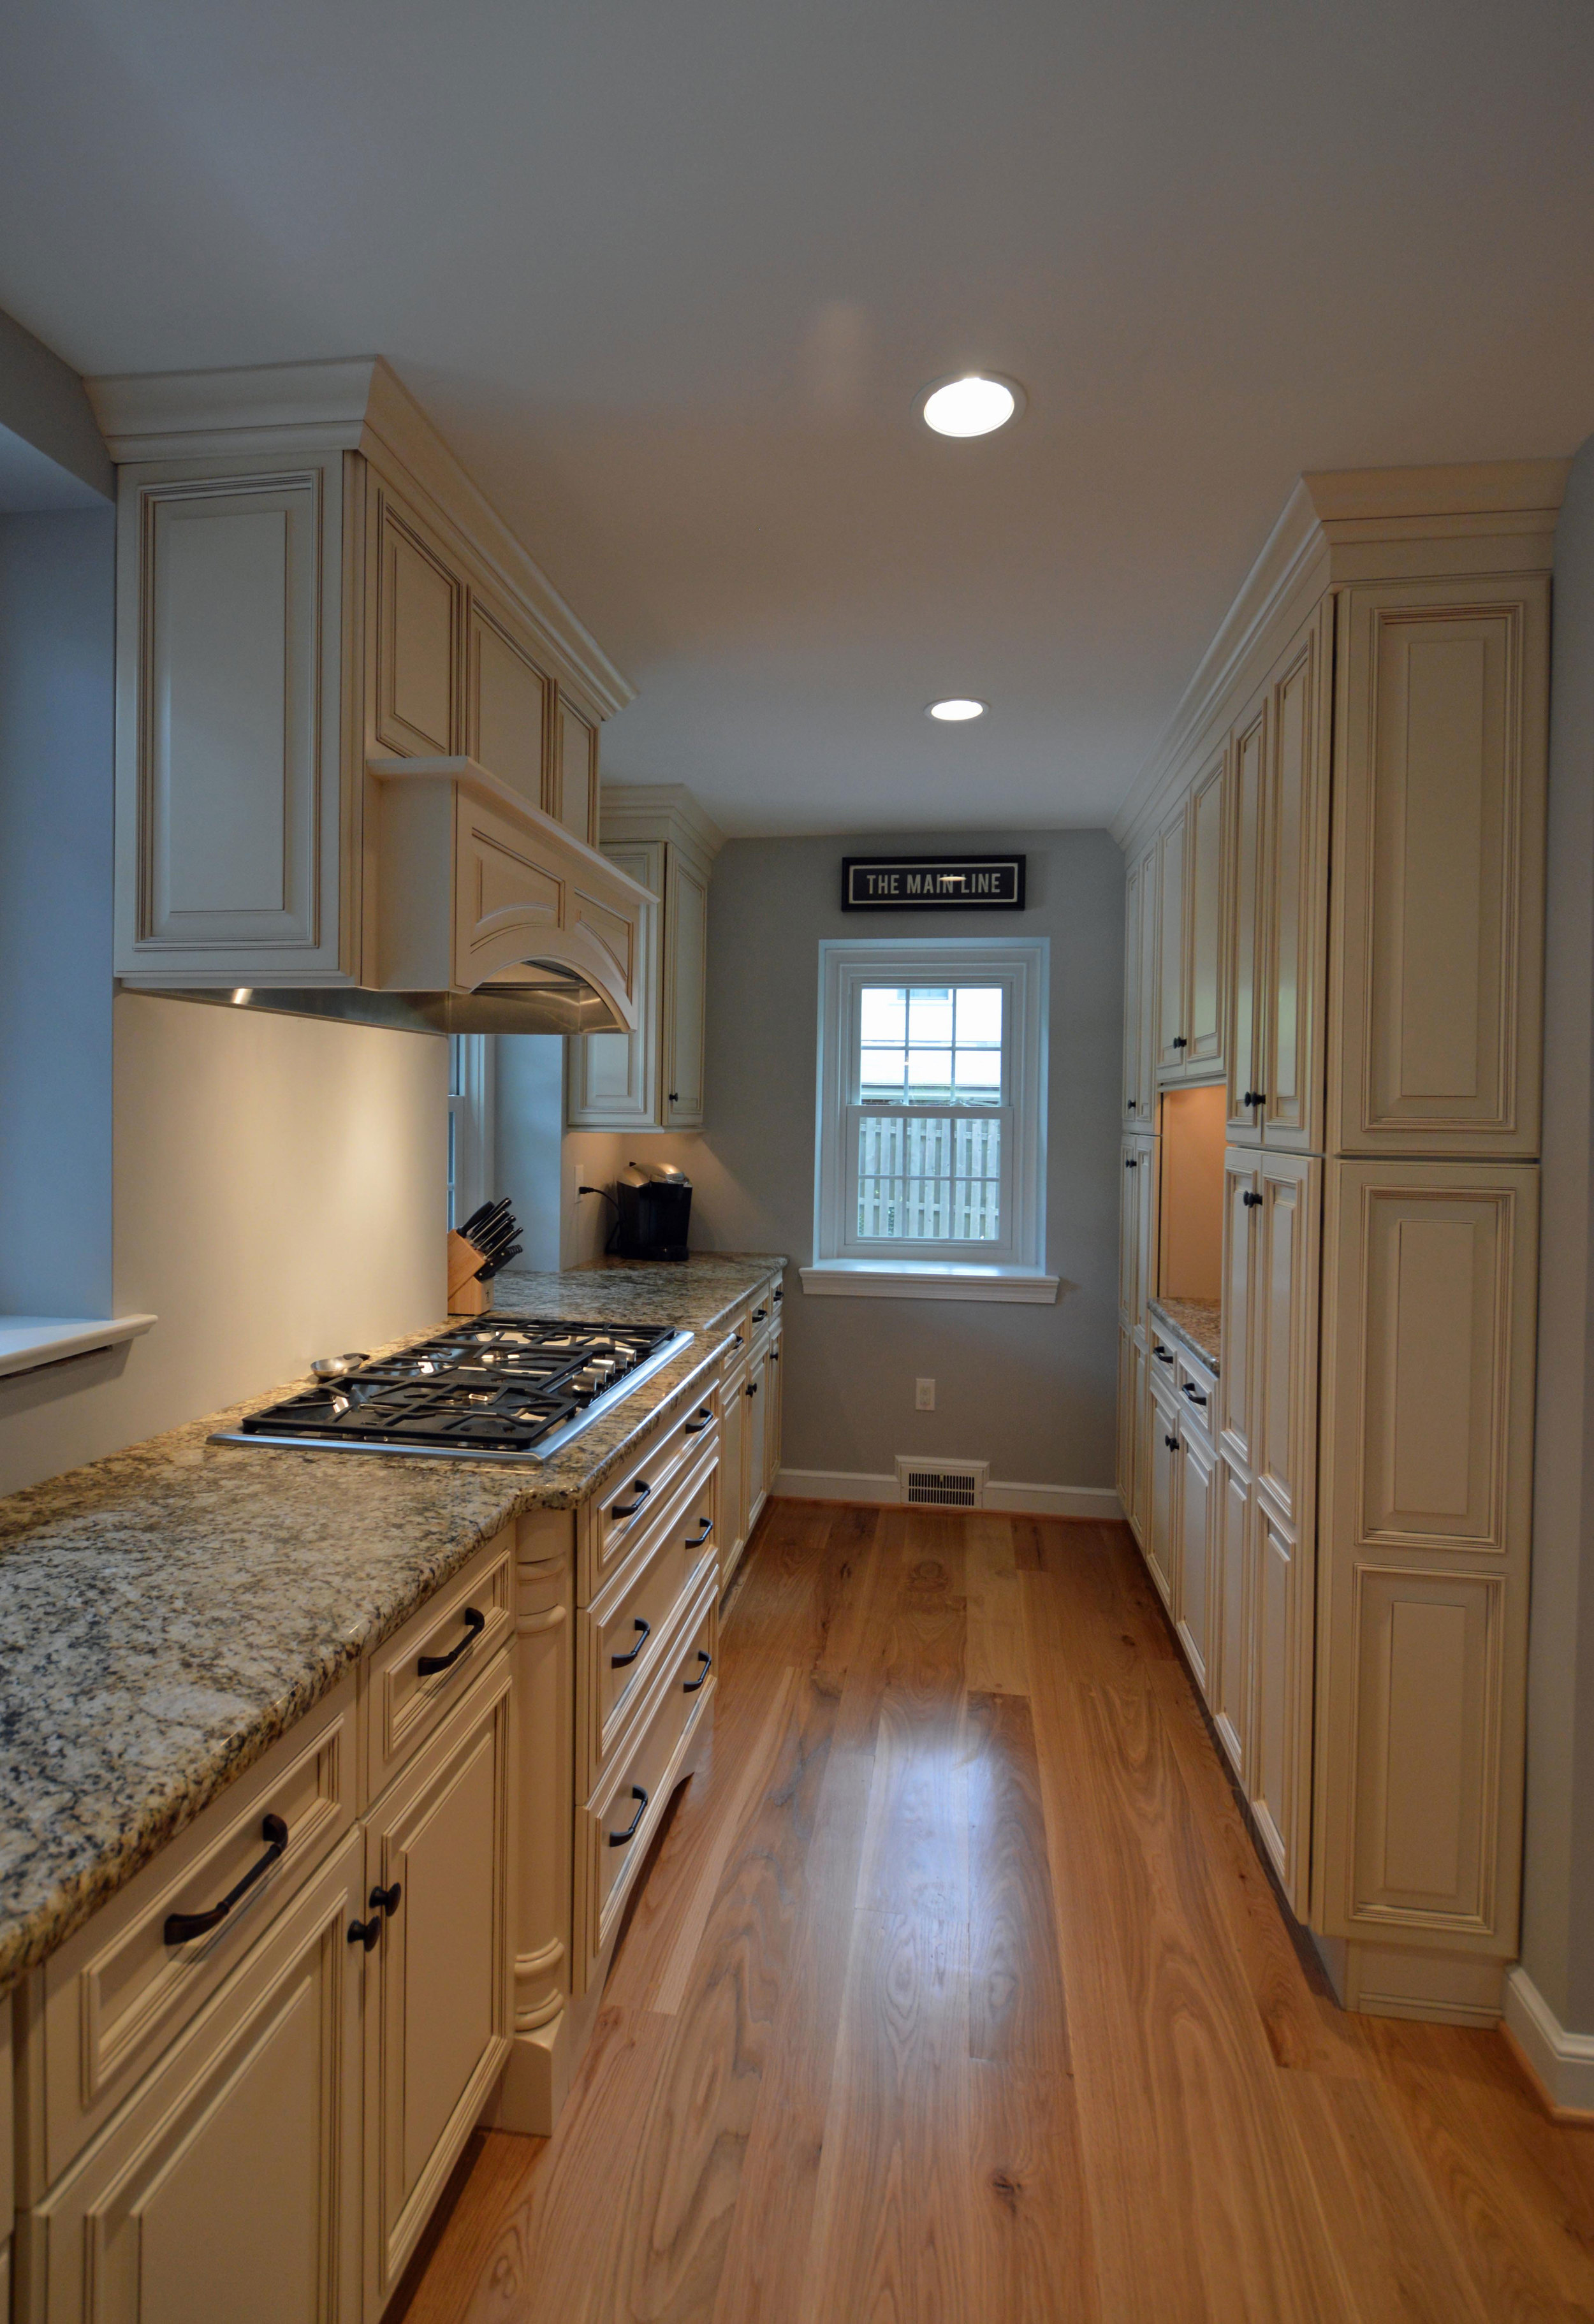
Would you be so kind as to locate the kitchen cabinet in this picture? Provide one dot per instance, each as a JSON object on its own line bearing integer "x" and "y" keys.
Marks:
{"x": 1206, "y": 832}
{"x": 652, "y": 1078}
{"x": 1350, "y": 1581}
{"x": 307, "y": 581}
{"x": 1134, "y": 906}
{"x": 734, "y": 1458}
{"x": 1129, "y": 1428}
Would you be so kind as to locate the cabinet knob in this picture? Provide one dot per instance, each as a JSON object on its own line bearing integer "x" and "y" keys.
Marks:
{"x": 1171, "y": 1442}
{"x": 386, "y": 1900}
{"x": 1255, "y": 1097}
{"x": 675, "y": 1097}
{"x": 365, "y": 1932}
{"x": 1180, "y": 1042}
{"x": 1252, "y": 1202}
{"x": 1131, "y": 1164}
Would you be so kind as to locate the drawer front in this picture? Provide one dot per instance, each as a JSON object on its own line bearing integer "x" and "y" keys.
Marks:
{"x": 1197, "y": 1387}
{"x": 415, "y": 1679}
{"x": 622, "y": 1517}
{"x": 623, "y": 1640}
{"x": 118, "y": 1994}
{"x": 613, "y": 1832}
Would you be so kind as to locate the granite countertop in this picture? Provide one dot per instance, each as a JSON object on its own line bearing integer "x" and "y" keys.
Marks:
{"x": 169, "y": 1611}
{"x": 1197, "y": 1321}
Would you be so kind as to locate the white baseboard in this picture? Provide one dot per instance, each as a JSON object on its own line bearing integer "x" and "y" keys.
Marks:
{"x": 1562, "y": 2063}
{"x": 1098, "y": 1501}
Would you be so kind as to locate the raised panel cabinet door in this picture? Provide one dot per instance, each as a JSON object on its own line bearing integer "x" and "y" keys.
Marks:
{"x": 1145, "y": 1096}
{"x": 1162, "y": 1531}
{"x": 1143, "y": 1178}
{"x": 686, "y": 980}
{"x": 1295, "y": 893}
{"x": 1197, "y": 1522}
{"x": 228, "y": 2185}
{"x": 1129, "y": 1284}
{"x": 1242, "y": 1205}
{"x": 613, "y": 1078}
{"x": 1229, "y": 1692}
{"x": 754, "y": 1457}
{"x": 1246, "y": 924}
{"x": 577, "y": 771}
{"x": 1279, "y": 1759}
{"x": 773, "y": 1371}
{"x": 1206, "y": 829}
{"x": 1173, "y": 1041}
{"x": 732, "y": 1470}
{"x": 1440, "y": 799}
{"x": 440, "y": 2003}
{"x": 1284, "y": 1351}
{"x": 220, "y": 833}
{"x": 1127, "y": 1433}
{"x": 1426, "y": 1525}
{"x": 506, "y": 706}
{"x": 417, "y": 603}
{"x": 1140, "y": 1474}
{"x": 1134, "y": 905}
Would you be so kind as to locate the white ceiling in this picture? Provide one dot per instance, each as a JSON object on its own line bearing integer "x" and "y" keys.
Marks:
{"x": 670, "y": 274}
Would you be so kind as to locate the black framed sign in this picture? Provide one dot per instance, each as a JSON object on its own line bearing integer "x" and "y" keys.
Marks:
{"x": 933, "y": 883}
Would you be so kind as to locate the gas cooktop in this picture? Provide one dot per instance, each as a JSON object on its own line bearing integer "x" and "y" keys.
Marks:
{"x": 491, "y": 1388}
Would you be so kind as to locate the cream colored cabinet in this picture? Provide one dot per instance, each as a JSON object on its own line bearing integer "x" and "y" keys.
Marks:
{"x": 1284, "y": 1319}
{"x": 1197, "y": 1518}
{"x": 755, "y": 1452}
{"x": 1278, "y": 1771}
{"x": 1206, "y": 973}
{"x": 1172, "y": 1036}
{"x": 1129, "y": 1291}
{"x": 733, "y": 1428}
{"x": 1229, "y": 1680}
{"x": 1439, "y": 788}
{"x": 1129, "y": 1432}
{"x": 1135, "y": 904}
{"x": 1295, "y": 840}
{"x": 1242, "y": 1201}
{"x": 1249, "y": 758}
{"x": 1426, "y": 1524}
{"x": 652, "y": 1079}
{"x": 1145, "y": 1095}
{"x": 772, "y": 1401}
{"x": 438, "y": 2013}
{"x": 306, "y": 580}
{"x": 1139, "y": 1425}
{"x": 1161, "y": 1540}
{"x": 227, "y": 2186}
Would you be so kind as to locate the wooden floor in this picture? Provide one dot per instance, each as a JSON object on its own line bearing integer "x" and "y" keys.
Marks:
{"x": 956, "y": 1992}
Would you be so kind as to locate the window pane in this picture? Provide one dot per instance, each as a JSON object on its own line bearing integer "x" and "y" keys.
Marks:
{"x": 930, "y": 1074}
{"x": 980, "y": 1014}
{"x": 883, "y": 1015}
{"x": 933, "y": 1181}
{"x": 883, "y": 1072}
{"x": 979, "y": 1073}
{"x": 930, "y": 1016}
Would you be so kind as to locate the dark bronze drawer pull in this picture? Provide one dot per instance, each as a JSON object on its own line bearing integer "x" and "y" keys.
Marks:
{"x": 365, "y": 1932}
{"x": 618, "y": 1839}
{"x": 691, "y": 1686}
{"x": 387, "y": 1899}
{"x": 778, "y": 1298}
{"x": 759, "y": 1313}
{"x": 181, "y": 1926}
{"x": 1160, "y": 1354}
{"x": 696, "y": 1540}
{"x": 619, "y": 1661}
{"x": 704, "y": 1419}
{"x": 1194, "y": 1394}
{"x": 429, "y": 1665}
{"x": 642, "y": 1489}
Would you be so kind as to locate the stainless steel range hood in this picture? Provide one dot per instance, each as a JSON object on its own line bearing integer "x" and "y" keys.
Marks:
{"x": 559, "y": 1004}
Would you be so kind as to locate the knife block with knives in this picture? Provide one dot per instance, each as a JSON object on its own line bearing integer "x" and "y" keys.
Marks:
{"x": 487, "y": 1241}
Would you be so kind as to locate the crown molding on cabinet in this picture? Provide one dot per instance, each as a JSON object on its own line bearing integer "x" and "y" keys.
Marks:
{"x": 640, "y": 811}
{"x": 1327, "y": 532}
{"x": 356, "y": 404}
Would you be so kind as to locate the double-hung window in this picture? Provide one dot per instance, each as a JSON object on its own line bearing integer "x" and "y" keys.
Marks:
{"x": 930, "y": 1157}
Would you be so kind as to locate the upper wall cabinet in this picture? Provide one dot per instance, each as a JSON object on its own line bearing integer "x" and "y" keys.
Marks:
{"x": 1192, "y": 973}
{"x": 1439, "y": 827}
{"x": 308, "y": 582}
{"x": 652, "y": 1079}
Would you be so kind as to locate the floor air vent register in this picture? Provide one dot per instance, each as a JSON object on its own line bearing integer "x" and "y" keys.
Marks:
{"x": 941, "y": 1484}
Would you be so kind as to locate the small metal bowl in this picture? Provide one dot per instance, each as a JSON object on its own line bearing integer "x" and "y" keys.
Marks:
{"x": 331, "y": 1368}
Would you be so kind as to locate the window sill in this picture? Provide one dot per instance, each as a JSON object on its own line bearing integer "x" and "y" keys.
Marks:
{"x": 874, "y": 1278}
{"x": 28, "y": 1342}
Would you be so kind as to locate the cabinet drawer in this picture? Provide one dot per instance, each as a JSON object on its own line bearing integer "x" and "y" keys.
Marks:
{"x": 622, "y": 1640}
{"x": 633, "y": 1796}
{"x": 1197, "y": 1387}
{"x": 117, "y": 1994}
{"x": 457, "y": 1632}
{"x": 627, "y": 1511}
{"x": 215, "y": 2192}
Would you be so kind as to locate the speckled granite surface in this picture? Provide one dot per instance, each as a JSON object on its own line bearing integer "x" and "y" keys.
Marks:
{"x": 166, "y": 1613}
{"x": 1199, "y": 1321}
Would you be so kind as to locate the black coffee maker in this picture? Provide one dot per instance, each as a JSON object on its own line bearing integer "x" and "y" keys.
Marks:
{"x": 653, "y": 1202}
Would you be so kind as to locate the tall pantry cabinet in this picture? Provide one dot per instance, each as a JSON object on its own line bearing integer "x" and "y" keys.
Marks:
{"x": 1335, "y": 910}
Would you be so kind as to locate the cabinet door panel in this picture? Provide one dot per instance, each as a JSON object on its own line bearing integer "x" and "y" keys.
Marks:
{"x": 1130, "y": 1283}
{"x": 1296, "y": 894}
{"x": 686, "y": 957}
{"x": 1196, "y": 1525}
{"x": 733, "y": 1471}
{"x": 773, "y": 1403}
{"x": 753, "y": 1452}
{"x": 506, "y": 712}
{"x": 1161, "y": 1531}
{"x": 1205, "y": 834}
{"x": 578, "y": 773}
{"x": 439, "y": 2031}
{"x": 227, "y": 2186}
{"x": 1146, "y": 983}
{"x": 1172, "y": 1034}
{"x": 1242, "y": 1201}
{"x": 1230, "y": 1691}
{"x": 613, "y": 1077}
{"x": 1128, "y": 1433}
{"x": 1277, "y": 1785}
{"x": 1246, "y": 920}
{"x": 1134, "y": 905}
{"x": 1440, "y": 838}
{"x": 1285, "y": 1343}
{"x": 1140, "y": 1476}
{"x": 418, "y": 607}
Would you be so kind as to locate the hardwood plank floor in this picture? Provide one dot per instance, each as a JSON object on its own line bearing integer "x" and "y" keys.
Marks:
{"x": 957, "y": 1994}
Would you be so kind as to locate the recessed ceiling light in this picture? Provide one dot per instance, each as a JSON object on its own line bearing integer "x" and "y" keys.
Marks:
{"x": 972, "y": 405}
{"x": 958, "y": 708}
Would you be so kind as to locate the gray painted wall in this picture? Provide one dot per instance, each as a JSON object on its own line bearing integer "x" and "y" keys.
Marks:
{"x": 57, "y": 635}
{"x": 1031, "y": 1390}
{"x": 1558, "y": 1901}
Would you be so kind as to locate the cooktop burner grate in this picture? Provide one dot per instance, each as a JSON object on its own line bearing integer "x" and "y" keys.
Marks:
{"x": 502, "y": 1387}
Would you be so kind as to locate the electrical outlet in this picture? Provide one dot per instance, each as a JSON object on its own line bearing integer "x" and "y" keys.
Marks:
{"x": 924, "y": 1396}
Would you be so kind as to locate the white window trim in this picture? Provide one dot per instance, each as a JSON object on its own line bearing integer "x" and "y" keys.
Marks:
{"x": 928, "y": 1272}
{"x": 471, "y": 1113}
